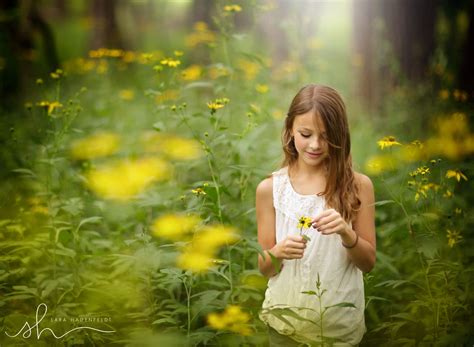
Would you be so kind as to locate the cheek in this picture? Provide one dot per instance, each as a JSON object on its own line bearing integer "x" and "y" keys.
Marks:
{"x": 299, "y": 142}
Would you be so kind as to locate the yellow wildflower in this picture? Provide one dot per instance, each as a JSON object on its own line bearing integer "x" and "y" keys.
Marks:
{"x": 454, "y": 237}
{"x": 444, "y": 94}
{"x": 388, "y": 141}
{"x": 57, "y": 74}
{"x": 174, "y": 147}
{"x": 448, "y": 194}
{"x": 195, "y": 260}
{"x": 198, "y": 191}
{"x": 217, "y": 71}
{"x": 232, "y": 8}
{"x": 98, "y": 145}
{"x": 126, "y": 94}
{"x": 200, "y": 35}
{"x": 127, "y": 178}
{"x": 170, "y": 62}
{"x": 233, "y": 319}
{"x": 304, "y": 222}
{"x": 456, "y": 174}
{"x": 249, "y": 68}
{"x": 212, "y": 237}
{"x": 49, "y": 105}
{"x": 217, "y": 104}
{"x": 261, "y": 88}
{"x": 167, "y": 95}
{"x": 191, "y": 73}
{"x": 174, "y": 226}
{"x": 377, "y": 164}
{"x": 198, "y": 255}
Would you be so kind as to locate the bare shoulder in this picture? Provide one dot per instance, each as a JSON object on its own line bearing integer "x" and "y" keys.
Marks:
{"x": 365, "y": 184}
{"x": 265, "y": 188}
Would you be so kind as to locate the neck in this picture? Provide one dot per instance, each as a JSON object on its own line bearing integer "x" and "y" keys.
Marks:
{"x": 308, "y": 170}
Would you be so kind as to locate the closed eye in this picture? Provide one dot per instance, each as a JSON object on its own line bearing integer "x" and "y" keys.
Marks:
{"x": 305, "y": 135}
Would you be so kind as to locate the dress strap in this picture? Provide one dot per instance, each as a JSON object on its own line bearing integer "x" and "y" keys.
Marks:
{"x": 278, "y": 187}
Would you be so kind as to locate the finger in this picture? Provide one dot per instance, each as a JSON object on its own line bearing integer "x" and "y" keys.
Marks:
{"x": 296, "y": 238}
{"x": 329, "y": 231}
{"x": 329, "y": 225}
{"x": 298, "y": 245}
{"x": 326, "y": 220}
{"x": 321, "y": 215}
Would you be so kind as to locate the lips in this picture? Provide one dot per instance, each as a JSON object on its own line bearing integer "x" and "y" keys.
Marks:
{"x": 314, "y": 154}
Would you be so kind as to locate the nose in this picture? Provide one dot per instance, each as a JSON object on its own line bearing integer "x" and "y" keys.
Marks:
{"x": 314, "y": 144}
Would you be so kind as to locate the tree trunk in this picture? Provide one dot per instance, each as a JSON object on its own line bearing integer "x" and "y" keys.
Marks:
{"x": 106, "y": 29}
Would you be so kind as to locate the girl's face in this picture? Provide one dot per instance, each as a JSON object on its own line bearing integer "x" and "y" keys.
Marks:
{"x": 310, "y": 134}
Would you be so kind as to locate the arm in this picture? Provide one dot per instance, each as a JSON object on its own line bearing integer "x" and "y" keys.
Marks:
{"x": 292, "y": 247}
{"x": 363, "y": 254}
{"x": 266, "y": 226}
{"x": 362, "y": 233}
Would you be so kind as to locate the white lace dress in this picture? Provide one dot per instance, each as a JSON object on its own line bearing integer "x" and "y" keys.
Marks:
{"x": 324, "y": 255}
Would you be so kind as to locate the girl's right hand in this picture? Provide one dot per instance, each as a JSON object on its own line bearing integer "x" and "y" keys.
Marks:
{"x": 291, "y": 248}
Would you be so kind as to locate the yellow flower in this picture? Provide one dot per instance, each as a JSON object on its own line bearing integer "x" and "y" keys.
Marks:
{"x": 170, "y": 62}
{"x": 50, "y": 105}
{"x": 127, "y": 94}
{"x": 261, "y": 88}
{"x": 167, "y": 95}
{"x": 454, "y": 237}
{"x": 195, "y": 260}
{"x": 191, "y": 73}
{"x": 200, "y": 35}
{"x": 304, "y": 222}
{"x": 456, "y": 174}
{"x": 232, "y": 8}
{"x": 210, "y": 238}
{"x": 388, "y": 141}
{"x": 444, "y": 94}
{"x": 127, "y": 178}
{"x": 249, "y": 68}
{"x": 174, "y": 147}
{"x": 57, "y": 74}
{"x": 178, "y": 53}
{"x": 413, "y": 151}
{"x": 98, "y": 145}
{"x": 217, "y": 104}
{"x": 233, "y": 319}
{"x": 198, "y": 255}
{"x": 217, "y": 71}
{"x": 198, "y": 191}
{"x": 377, "y": 164}
{"x": 174, "y": 226}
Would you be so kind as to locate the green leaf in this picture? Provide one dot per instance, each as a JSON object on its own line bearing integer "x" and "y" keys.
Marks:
{"x": 342, "y": 304}
{"x": 310, "y": 292}
{"x": 89, "y": 220}
{"x": 383, "y": 202}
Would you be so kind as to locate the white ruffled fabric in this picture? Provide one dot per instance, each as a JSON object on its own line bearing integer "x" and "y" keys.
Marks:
{"x": 325, "y": 255}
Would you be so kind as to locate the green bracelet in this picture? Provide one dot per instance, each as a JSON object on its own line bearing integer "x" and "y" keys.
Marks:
{"x": 355, "y": 242}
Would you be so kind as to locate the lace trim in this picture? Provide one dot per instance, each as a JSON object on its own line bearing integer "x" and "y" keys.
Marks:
{"x": 289, "y": 202}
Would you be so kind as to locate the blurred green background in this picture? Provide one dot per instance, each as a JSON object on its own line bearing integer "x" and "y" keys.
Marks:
{"x": 133, "y": 133}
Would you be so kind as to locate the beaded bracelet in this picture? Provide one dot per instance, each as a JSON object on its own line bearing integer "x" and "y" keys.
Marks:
{"x": 355, "y": 242}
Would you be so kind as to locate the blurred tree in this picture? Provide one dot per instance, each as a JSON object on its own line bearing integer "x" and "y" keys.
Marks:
{"x": 18, "y": 47}
{"x": 466, "y": 72}
{"x": 408, "y": 27}
{"x": 106, "y": 31}
{"x": 202, "y": 11}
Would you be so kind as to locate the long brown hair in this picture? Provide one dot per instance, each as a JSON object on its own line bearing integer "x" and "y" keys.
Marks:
{"x": 341, "y": 192}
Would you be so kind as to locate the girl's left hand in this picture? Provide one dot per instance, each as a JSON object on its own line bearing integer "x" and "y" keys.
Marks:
{"x": 330, "y": 222}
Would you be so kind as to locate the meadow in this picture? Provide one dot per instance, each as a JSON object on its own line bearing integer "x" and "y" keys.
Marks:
{"x": 129, "y": 194}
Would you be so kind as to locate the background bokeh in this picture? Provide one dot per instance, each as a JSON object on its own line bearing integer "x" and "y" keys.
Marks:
{"x": 134, "y": 133}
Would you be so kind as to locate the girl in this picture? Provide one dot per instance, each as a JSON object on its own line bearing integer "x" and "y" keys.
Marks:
{"x": 316, "y": 180}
